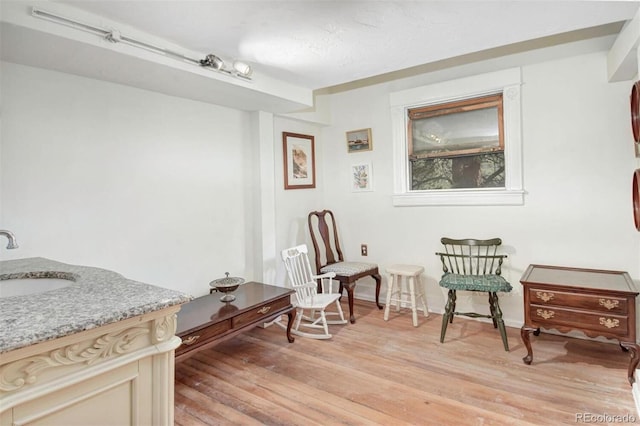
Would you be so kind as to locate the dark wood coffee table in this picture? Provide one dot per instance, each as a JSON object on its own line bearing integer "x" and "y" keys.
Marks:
{"x": 206, "y": 321}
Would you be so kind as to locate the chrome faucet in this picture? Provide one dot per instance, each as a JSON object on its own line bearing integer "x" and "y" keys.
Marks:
{"x": 13, "y": 244}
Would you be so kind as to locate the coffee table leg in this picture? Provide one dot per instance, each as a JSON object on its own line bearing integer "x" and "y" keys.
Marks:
{"x": 525, "y": 333}
{"x": 292, "y": 316}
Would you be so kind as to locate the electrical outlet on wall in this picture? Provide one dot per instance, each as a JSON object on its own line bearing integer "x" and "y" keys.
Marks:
{"x": 363, "y": 249}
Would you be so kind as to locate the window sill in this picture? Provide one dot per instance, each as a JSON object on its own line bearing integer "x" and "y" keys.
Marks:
{"x": 462, "y": 197}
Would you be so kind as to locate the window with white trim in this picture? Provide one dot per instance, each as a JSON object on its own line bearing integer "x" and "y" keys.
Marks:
{"x": 456, "y": 145}
{"x": 459, "y": 142}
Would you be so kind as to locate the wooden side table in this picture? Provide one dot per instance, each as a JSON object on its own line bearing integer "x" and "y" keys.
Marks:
{"x": 206, "y": 321}
{"x": 596, "y": 302}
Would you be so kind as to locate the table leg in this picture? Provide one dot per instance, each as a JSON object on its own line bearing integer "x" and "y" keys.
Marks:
{"x": 632, "y": 347}
{"x": 292, "y": 316}
{"x": 525, "y": 333}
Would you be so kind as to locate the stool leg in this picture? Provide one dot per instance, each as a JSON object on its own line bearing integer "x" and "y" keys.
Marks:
{"x": 398, "y": 292}
{"x": 422, "y": 297}
{"x": 412, "y": 295}
{"x": 389, "y": 292}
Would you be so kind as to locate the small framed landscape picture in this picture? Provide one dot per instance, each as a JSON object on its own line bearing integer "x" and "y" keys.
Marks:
{"x": 359, "y": 140}
{"x": 299, "y": 161}
{"x": 361, "y": 177}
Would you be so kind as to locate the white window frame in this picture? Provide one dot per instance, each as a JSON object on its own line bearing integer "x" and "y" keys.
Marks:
{"x": 508, "y": 82}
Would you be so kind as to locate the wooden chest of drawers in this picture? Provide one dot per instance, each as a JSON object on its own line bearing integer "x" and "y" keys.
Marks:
{"x": 596, "y": 302}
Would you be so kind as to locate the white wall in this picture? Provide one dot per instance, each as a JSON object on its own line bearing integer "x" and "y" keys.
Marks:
{"x": 152, "y": 186}
{"x": 578, "y": 160}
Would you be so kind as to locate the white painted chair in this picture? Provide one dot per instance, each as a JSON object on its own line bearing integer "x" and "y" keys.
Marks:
{"x": 310, "y": 305}
{"x": 395, "y": 293}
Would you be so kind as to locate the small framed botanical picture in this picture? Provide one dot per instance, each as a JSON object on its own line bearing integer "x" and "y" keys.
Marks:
{"x": 299, "y": 161}
{"x": 359, "y": 140}
{"x": 361, "y": 177}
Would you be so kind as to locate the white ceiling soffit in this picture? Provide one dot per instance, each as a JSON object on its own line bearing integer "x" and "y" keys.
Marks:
{"x": 31, "y": 41}
{"x": 317, "y": 44}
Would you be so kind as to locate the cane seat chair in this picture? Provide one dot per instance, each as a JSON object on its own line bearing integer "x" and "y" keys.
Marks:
{"x": 310, "y": 305}
{"x": 473, "y": 265}
{"x": 329, "y": 257}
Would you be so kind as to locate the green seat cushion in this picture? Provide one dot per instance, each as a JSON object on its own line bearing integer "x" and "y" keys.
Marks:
{"x": 488, "y": 283}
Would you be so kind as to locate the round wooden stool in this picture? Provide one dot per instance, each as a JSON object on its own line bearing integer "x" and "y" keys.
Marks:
{"x": 411, "y": 274}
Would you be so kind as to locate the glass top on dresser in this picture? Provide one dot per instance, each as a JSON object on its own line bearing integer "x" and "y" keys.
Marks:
{"x": 577, "y": 277}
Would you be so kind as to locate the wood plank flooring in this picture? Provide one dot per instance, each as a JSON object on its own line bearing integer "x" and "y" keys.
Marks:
{"x": 389, "y": 373}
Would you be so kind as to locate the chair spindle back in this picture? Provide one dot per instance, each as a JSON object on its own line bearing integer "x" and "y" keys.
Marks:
{"x": 296, "y": 261}
{"x": 471, "y": 257}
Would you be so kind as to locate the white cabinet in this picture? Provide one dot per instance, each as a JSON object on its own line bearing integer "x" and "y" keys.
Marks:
{"x": 118, "y": 374}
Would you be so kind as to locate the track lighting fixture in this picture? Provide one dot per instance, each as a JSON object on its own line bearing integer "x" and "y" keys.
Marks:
{"x": 240, "y": 70}
{"x": 212, "y": 61}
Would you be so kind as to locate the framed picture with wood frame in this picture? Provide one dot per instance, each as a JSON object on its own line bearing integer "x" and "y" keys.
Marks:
{"x": 359, "y": 140}
{"x": 299, "y": 161}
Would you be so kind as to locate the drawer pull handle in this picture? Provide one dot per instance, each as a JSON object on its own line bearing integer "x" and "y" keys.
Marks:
{"x": 264, "y": 309}
{"x": 544, "y": 296}
{"x": 190, "y": 340}
{"x": 609, "y": 304}
{"x": 610, "y": 323}
{"x": 545, "y": 314}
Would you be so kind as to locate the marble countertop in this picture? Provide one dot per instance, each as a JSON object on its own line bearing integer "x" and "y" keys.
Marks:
{"x": 96, "y": 297}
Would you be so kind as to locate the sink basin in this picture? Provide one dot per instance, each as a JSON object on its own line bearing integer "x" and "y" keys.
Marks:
{"x": 25, "y": 286}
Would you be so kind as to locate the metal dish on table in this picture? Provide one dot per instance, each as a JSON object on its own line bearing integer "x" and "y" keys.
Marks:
{"x": 226, "y": 285}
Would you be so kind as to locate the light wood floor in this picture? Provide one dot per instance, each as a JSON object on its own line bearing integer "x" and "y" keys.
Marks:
{"x": 390, "y": 373}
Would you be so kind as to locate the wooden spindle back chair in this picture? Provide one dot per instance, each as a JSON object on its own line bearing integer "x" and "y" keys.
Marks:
{"x": 473, "y": 265}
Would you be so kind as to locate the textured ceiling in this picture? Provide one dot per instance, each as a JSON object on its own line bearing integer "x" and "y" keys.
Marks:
{"x": 318, "y": 44}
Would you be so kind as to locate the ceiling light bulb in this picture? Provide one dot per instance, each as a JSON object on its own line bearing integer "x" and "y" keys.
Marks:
{"x": 242, "y": 68}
